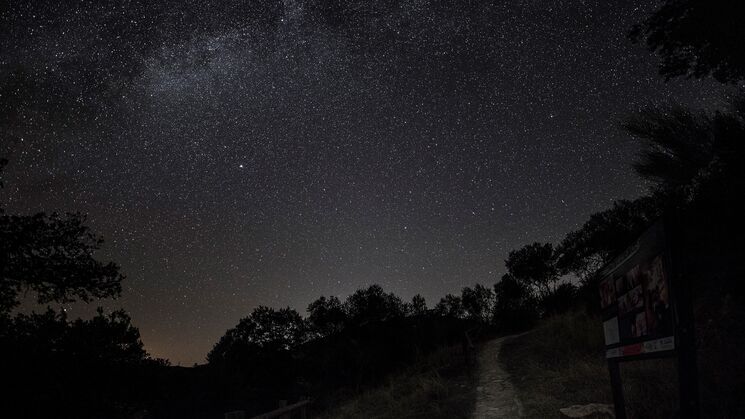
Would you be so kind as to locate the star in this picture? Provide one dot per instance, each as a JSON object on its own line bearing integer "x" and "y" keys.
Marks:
{"x": 437, "y": 134}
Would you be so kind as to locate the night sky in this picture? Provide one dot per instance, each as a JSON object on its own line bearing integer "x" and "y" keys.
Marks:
{"x": 234, "y": 155}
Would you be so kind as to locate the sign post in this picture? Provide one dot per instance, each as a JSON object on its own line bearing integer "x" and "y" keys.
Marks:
{"x": 647, "y": 312}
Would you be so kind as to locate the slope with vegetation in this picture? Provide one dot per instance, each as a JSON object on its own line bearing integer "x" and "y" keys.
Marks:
{"x": 441, "y": 384}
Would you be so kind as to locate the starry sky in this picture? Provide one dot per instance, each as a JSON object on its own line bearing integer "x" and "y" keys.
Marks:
{"x": 239, "y": 153}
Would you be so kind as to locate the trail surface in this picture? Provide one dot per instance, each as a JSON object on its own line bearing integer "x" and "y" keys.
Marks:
{"x": 495, "y": 395}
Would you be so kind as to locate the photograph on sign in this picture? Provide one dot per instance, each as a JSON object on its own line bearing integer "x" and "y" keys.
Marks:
{"x": 610, "y": 330}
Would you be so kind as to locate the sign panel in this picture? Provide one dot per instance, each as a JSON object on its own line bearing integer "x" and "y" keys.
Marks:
{"x": 635, "y": 299}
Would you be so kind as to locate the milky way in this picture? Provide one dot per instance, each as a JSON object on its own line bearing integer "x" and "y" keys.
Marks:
{"x": 268, "y": 153}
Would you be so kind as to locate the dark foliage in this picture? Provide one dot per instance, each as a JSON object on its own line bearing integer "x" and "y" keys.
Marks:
{"x": 362, "y": 357}
{"x": 79, "y": 368}
{"x": 53, "y": 256}
{"x": 418, "y": 306}
{"x": 534, "y": 265}
{"x": 684, "y": 149}
{"x": 450, "y": 306}
{"x": 352, "y": 345}
{"x": 354, "y": 358}
{"x": 478, "y": 303}
{"x": 107, "y": 338}
{"x": 327, "y": 315}
{"x": 696, "y": 38}
{"x": 560, "y": 300}
{"x": 515, "y": 307}
{"x": 73, "y": 369}
{"x": 373, "y": 304}
{"x": 583, "y": 252}
{"x": 265, "y": 330}
{"x": 713, "y": 245}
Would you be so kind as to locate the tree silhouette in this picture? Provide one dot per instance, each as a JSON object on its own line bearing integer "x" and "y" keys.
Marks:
{"x": 373, "y": 304}
{"x": 510, "y": 294}
{"x": 684, "y": 149}
{"x": 265, "y": 330}
{"x": 478, "y": 303}
{"x": 450, "y": 306}
{"x": 53, "y": 256}
{"x": 697, "y": 38}
{"x": 514, "y": 304}
{"x": 584, "y": 251}
{"x": 105, "y": 338}
{"x": 81, "y": 368}
{"x": 534, "y": 265}
{"x": 327, "y": 315}
{"x": 418, "y": 306}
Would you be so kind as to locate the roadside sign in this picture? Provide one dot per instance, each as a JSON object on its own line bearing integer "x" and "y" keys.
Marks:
{"x": 635, "y": 299}
{"x": 647, "y": 311}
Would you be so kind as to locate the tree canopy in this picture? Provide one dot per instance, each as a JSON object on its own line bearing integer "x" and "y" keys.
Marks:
{"x": 265, "y": 329}
{"x": 697, "y": 38}
{"x": 478, "y": 302}
{"x": 108, "y": 338}
{"x": 534, "y": 264}
{"x": 373, "y": 304}
{"x": 684, "y": 149}
{"x": 515, "y": 306}
{"x": 582, "y": 252}
{"x": 54, "y": 257}
{"x": 450, "y": 306}
{"x": 327, "y": 315}
{"x": 418, "y": 305}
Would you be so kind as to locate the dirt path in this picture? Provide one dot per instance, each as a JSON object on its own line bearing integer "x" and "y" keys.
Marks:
{"x": 495, "y": 395}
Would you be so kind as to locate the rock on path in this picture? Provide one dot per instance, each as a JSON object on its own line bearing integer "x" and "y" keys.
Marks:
{"x": 495, "y": 396}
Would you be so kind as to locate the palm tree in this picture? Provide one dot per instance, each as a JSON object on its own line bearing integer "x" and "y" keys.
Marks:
{"x": 686, "y": 149}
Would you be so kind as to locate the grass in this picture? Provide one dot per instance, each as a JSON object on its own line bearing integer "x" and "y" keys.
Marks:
{"x": 558, "y": 364}
{"x": 561, "y": 363}
{"x": 440, "y": 385}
